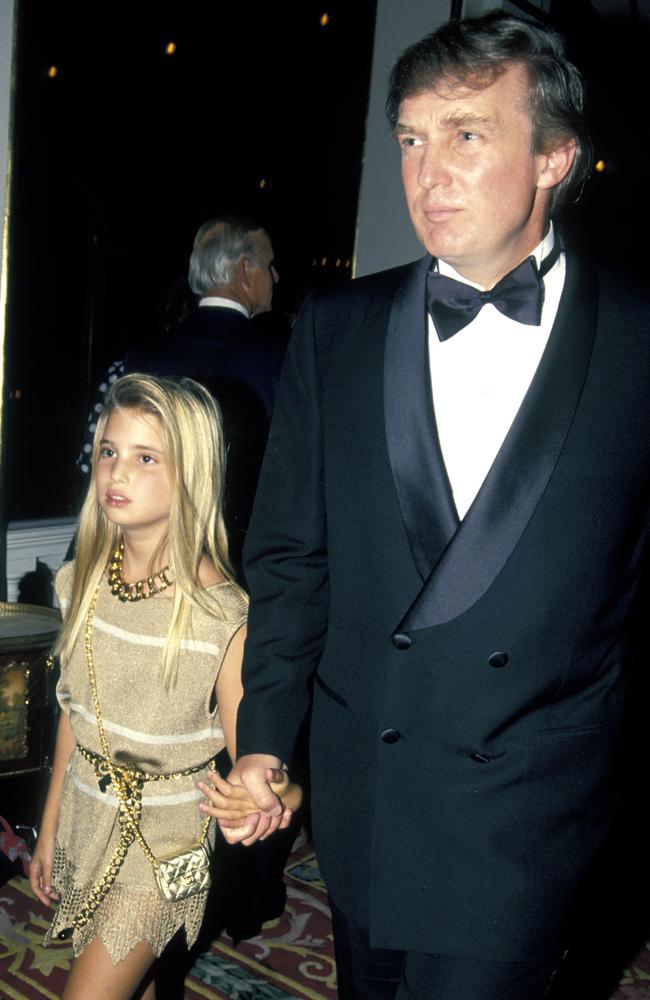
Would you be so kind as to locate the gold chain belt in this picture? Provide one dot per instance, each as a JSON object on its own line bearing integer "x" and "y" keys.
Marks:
{"x": 131, "y": 774}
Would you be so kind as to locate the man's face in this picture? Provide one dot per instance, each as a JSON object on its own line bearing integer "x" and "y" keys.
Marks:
{"x": 476, "y": 192}
{"x": 263, "y": 275}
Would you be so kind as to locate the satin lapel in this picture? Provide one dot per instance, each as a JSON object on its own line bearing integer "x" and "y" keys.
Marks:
{"x": 521, "y": 471}
{"x": 421, "y": 481}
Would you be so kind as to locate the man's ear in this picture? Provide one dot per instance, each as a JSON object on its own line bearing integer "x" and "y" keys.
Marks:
{"x": 244, "y": 269}
{"x": 556, "y": 165}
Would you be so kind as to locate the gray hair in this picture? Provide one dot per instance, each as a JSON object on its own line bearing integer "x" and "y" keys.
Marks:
{"x": 218, "y": 246}
{"x": 476, "y": 51}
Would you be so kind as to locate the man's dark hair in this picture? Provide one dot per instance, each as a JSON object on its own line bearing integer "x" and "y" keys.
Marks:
{"x": 475, "y": 52}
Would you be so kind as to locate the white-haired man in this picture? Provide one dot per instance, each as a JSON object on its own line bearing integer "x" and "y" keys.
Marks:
{"x": 232, "y": 273}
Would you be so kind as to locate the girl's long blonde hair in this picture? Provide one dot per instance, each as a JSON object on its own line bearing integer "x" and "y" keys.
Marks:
{"x": 191, "y": 430}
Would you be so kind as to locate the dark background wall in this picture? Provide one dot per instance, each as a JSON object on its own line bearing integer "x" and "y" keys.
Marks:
{"x": 123, "y": 150}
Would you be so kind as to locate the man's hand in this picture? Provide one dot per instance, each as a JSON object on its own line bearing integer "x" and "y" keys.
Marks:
{"x": 255, "y": 773}
{"x": 232, "y": 802}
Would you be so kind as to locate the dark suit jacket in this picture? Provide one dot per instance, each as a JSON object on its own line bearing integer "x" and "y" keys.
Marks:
{"x": 239, "y": 361}
{"x": 470, "y": 680}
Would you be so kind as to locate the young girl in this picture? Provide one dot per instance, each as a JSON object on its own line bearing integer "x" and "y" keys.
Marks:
{"x": 150, "y": 653}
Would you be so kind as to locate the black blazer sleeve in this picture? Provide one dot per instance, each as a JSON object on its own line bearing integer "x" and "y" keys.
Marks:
{"x": 286, "y": 560}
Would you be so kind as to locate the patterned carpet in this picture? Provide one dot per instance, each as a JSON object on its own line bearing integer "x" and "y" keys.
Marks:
{"x": 293, "y": 957}
{"x": 636, "y": 980}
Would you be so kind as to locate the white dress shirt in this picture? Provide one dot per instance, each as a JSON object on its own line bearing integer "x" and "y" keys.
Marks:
{"x": 480, "y": 376}
{"x": 218, "y": 300}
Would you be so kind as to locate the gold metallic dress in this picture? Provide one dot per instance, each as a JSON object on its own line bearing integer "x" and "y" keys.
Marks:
{"x": 149, "y": 729}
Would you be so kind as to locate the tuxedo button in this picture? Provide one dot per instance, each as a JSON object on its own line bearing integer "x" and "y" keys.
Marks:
{"x": 390, "y": 735}
{"x": 402, "y": 640}
{"x": 498, "y": 658}
{"x": 480, "y": 758}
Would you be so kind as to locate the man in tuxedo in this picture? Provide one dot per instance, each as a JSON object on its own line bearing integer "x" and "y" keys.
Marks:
{"x": 449, "y": 540}
{"x": 232, "y": 273}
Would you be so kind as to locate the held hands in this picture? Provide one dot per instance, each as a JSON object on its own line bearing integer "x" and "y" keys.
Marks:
{"x": 233, "y": 802}
{"x": 257, "y": 799}
{"x": 40, "y": 869}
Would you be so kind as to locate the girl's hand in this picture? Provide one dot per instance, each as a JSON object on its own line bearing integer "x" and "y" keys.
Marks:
{"x": 225, "y": 801}
{"x": 40, "y": 869}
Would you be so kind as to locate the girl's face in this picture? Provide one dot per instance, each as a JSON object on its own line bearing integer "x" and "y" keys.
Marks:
{"x": 132, "y": 475}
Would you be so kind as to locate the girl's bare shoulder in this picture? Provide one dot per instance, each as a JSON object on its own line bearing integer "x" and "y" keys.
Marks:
{"x": 231, "y": 603}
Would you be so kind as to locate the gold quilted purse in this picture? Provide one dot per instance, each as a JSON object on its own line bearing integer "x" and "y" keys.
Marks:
{"x": 182, "y": 875}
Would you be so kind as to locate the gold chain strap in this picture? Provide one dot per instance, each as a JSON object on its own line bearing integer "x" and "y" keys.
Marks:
{"x": 128, "y": 786}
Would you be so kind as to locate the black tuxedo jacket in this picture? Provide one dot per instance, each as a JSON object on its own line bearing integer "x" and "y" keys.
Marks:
{"x": 470, "y": 679}
{"x": 239, "y": 361}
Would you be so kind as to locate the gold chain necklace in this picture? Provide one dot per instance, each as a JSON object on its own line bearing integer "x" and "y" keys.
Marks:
{"x": 154, "y": 584}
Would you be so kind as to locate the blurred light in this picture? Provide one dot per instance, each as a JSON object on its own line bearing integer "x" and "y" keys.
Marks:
{"x": 170, "y": 48}
{"x": 323, "y": 262}
{"x": 338, "y": 262}
{"x": 324, "y": 19}
{"x": 262, "y": 184}
{"x": 52, "y": 72}
{"x": 600, "y": 166}
{"x": 347, "y": 263}
{"x": 314, "y": 263}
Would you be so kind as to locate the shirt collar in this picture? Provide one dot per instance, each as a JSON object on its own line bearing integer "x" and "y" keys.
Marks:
{"x": 222, "y": 303}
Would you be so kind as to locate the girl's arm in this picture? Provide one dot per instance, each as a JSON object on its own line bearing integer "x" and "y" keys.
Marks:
{"x": 232, "y": 802}
{"x": 229, "y": 688}
{"x": 40, "y": 869}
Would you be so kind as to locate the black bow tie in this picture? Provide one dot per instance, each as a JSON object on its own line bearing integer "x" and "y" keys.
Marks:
{"x": 520, "y": 296}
